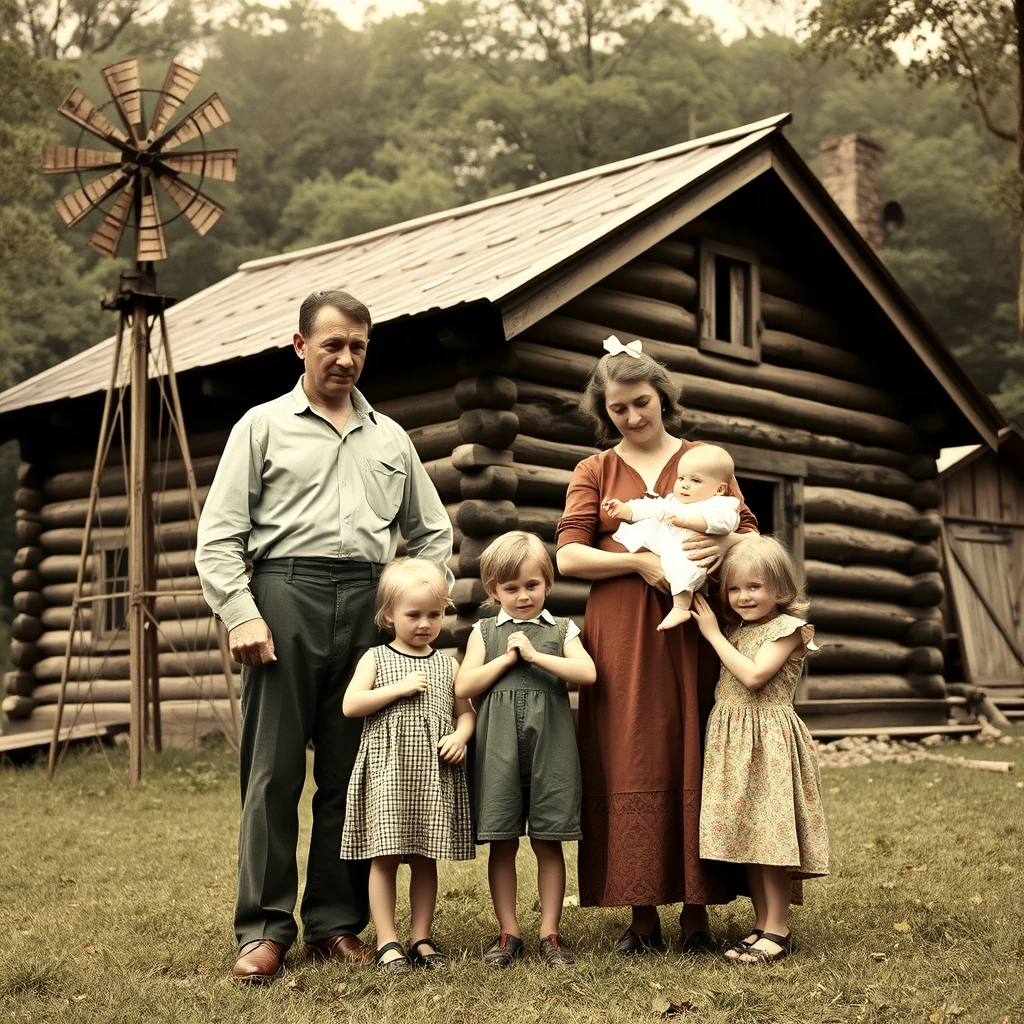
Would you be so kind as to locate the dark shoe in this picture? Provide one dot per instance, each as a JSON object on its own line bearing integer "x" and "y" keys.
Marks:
{"x": 259, "y": 961}
{"x": 554, "y": 954}
{"x": 399, "y": 965}
{"x": 741, "y": 945}
{"x": 346, "y": 948}
{"x": 428, "y": 960}
{"x": 700, "y": 942}
{"x": 503, "y": 951}
{"x": 633, "y": 944}
{"x": 753, "y": 954}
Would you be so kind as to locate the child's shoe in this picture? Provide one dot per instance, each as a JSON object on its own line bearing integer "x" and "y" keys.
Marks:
{"x": 503, "y": 951}
{"x": 398, "y": 965}
{"x": 429, "y": 960}
{"x": 554, "y": 954}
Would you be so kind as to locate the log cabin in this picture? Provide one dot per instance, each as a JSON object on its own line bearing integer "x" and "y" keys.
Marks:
{"x": 794, "y": 346}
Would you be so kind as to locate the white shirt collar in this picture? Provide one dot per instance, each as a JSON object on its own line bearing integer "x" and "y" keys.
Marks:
{"x": 545, "y": 616}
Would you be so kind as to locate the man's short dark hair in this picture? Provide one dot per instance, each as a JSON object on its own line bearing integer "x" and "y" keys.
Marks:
{"x": 339, "y": 300}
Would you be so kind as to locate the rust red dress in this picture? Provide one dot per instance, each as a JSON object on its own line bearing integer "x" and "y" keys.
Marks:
{"x": 641, "y": 726}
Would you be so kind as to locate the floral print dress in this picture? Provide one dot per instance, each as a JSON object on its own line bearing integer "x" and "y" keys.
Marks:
{"x": 761, "y": 794}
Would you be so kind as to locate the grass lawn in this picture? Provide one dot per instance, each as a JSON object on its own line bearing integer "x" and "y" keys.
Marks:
{"x": 116, "y": 905}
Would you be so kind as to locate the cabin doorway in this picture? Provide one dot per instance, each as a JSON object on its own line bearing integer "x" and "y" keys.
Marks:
{"x": 777, "y": 501}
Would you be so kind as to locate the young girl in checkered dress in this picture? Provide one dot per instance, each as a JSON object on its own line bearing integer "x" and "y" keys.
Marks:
{"x": 407, "y": 799}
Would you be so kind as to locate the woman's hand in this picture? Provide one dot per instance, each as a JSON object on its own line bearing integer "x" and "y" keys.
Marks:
{"x": 708, "y": 551}
{"x": 704, "y": 616}
{"x": 520, "y": 643}
{"x": 648, "y": 565}
{"x": 413, "y": 684}
{"x": 451, "y": 749}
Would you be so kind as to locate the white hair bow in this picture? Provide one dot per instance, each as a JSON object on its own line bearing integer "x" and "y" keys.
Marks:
{"x": 614, "y": 347}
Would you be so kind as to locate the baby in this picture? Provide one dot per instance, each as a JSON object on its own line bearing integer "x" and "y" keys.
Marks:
{"x": 698, "y": 504}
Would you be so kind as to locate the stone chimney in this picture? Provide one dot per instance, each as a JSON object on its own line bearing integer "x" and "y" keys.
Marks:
{"x": 851, "y": 171}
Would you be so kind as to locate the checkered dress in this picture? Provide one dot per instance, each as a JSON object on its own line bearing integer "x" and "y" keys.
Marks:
{"x": 402, "y": 798}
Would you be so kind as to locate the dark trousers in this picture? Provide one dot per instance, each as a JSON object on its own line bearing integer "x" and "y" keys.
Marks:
{"x": 320, "y": 613}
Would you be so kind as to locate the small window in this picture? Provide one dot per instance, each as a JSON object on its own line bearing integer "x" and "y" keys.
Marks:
{"x": 110, "y": 616}
{"x": 730, "y": 301}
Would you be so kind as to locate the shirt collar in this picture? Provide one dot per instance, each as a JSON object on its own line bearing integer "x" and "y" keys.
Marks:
{"x": 545, "y": 616}
{"x": 360, "y": 406}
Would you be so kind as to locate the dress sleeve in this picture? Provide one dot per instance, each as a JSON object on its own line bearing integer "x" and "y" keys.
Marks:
{"x": 582, "y": 514}
{"x": 787, "y": 625}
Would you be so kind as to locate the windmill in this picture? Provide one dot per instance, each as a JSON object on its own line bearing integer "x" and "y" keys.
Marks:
{"x": 143, "y": 163}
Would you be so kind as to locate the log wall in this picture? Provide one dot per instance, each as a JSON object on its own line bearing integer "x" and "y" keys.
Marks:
{"x": 817, "y": 409}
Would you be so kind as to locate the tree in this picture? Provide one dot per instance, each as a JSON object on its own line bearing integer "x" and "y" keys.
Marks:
{"x": 978, "y": 44}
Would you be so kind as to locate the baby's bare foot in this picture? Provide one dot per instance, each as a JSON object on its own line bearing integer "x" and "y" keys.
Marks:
{"x": 676, "y": 617}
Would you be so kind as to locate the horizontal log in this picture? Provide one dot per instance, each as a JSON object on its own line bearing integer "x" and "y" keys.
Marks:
{"x": 468, "y": 592}
{"x": 67, "y": 540}
{"x": 842, "y": 505}
{"x": 878, "y": 618}
{"x": 64, "y": 568}
{"x": 16, "y": 707}
{"x": 445, "y": 477}
{"x": 421, "y": 410}
{"x": 873, "y": 687}
{"x": 786, "y": 349}
{"x": 654, "y": 280}
{"x": 63, "y": 593}
{"x": 186, "y": 606}
{"x": 494, "y": 428}
{"x": 27, "y": 628}
{"x": 183, "y": 722}
{"x": 24, "y": 654}
{"x": 29, "y": 602}
{"x": 24, "y": 515}
{"x": 842, "y": 653}
{"x": 105, "y": 691}
{"x": 200, "y": 443}
{"x": 842, "y": 544}
{"x": 538, "y": 451}
{"x": 469, "y": 457}
{"x": 490, "y": 391}
{"x": 26, "y": 579}
{"x": 786, "y": 315}
{"x": 436, "y": 440}
{"x": 541, "y": 485}
{"x": 482, "y": 518}
{"x": 927, "y": 527}
{"x": 27, "y": 532}
{"x": 586, "y": 326}
{"x": 29, "y": 475}
{"x": 165, "y": 475}
{"x": 28, "y": 557}
{"x": 183, "y": 635}
{"x": 29, "y": 498}
{"x": 883, "y": 584}
{"x": 19, "y": 683}
{"x": 884, "y": 480}
{"x": 546, "y": 364}
{"x": 551, "y": 412}
{"x": 497, "y": 482}
{"x": 568, "y": 597}
{"x": 926, "y": 632}
{"x": 116, "y": 666}
{"x": 674, "y": 253}
{"x": 113, "y": 511}
{"x": 539, "y": 519}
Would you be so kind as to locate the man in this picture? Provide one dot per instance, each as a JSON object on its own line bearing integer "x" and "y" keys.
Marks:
{"x": 315, "y": 487}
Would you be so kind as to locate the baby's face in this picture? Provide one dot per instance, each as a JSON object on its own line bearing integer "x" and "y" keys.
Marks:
{"x": 695, "y": 478}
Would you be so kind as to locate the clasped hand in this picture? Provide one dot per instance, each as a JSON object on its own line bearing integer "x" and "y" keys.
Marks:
{"x": 413, "y": 684}
{"x": 519, "y": 643}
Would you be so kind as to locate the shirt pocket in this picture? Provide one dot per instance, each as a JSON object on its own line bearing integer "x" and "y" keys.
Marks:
{"x": 384, "y": 483}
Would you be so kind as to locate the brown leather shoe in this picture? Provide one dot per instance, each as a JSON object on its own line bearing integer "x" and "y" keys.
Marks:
{"x": 346, "y": 948}
{"x": 259, "y": 961}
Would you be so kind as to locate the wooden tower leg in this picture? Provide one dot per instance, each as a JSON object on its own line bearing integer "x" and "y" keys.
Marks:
{"x": 83, "y": 558}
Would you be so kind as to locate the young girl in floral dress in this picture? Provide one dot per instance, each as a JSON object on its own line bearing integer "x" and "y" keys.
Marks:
{"x": 761, "y": 796}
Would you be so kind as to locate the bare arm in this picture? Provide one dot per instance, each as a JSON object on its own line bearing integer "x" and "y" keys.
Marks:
{"x": 361, "y": 699}
{"x": 452, "y": 747}
{"x": 475, "y": 676}
{"x": 689, "y": 522}
{"x": 587, "y": 563}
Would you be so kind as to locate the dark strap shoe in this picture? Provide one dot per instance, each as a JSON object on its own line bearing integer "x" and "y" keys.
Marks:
{"x": 429, "y": 960}
{"x": 554, "y": 954}
{"x": 503, "y": 951}
{"x": 259, "y": 961}
{"x": 401, "y": 964}
{"x": 634, "y": 944}
{"x": 346, "y": 948}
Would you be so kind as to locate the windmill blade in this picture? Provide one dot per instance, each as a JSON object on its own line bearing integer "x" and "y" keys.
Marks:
{"x": 210, "y": 114}
{"x": 67, "y": 159}
{"x": 150, "y": 244}
{"x": 202, "y": 211}
{"x": 219, "y": 164}
{"x": 179, "y": 82}
{"x": 80, "y": 110}
{"x": 123, "y": 84}
{"x": 76, "y": 205}
{"x": 106, "y": 240}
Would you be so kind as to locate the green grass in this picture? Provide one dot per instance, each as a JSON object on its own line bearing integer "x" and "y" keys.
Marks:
{"x": 116, "y": 905}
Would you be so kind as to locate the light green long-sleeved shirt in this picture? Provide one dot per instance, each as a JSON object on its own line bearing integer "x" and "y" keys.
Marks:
{"x": 290, "y": 486}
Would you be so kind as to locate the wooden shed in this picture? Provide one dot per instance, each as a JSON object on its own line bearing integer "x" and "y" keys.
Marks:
{"x": 982, "y": 493}
{"x": 795, "y": 348}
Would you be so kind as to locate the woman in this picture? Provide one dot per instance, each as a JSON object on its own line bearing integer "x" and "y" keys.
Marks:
{"x": 641, "y": 726}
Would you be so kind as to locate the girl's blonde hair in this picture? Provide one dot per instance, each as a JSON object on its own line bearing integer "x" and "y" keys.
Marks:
{"x": 504, "y": 557}
{"x": 623, "y": 369}
{"x": 403, "y": 574}
{"x": 769, "y": 560}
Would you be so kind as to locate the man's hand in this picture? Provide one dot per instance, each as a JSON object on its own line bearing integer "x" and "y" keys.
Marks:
{"x": 251, "y": 643}
{"x": 413, "y": 684}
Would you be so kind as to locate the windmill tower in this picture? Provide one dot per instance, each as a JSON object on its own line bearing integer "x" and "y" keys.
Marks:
{"x": 129, "y": 178}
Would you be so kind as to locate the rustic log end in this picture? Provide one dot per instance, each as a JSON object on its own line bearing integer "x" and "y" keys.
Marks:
{"x": 467, "y": 457}
{"x": 495, "y": 428}
{"x": 490, "y": 482}
{"x": 17, "y": 707}
{"x": 490, "y": 391}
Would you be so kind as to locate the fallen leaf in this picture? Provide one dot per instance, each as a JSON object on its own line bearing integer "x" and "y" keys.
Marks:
{"x": 89, "y": 949}
{"x": 660, "y": 1005}
{"x": 978, "y": 899}
{"x": 340, "y": 990}
{"x": 68, "y": 880}
{"x": 654, "y": 984}
{"x": 80, "y": 998}
{"x": 887, "y": 885}
{"x": 901, "y": 926}
{"x": 291, "y": 983}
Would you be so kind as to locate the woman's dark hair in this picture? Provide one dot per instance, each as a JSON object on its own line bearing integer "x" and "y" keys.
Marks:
{"x": 624, "y": 369}
{"x": 339, "y": 300}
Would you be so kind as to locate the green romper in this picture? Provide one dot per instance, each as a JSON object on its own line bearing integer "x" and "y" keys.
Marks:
{"x": 526, "y": 765}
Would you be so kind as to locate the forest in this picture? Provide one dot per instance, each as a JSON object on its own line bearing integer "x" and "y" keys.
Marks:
{"x": 342, "y": 130}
